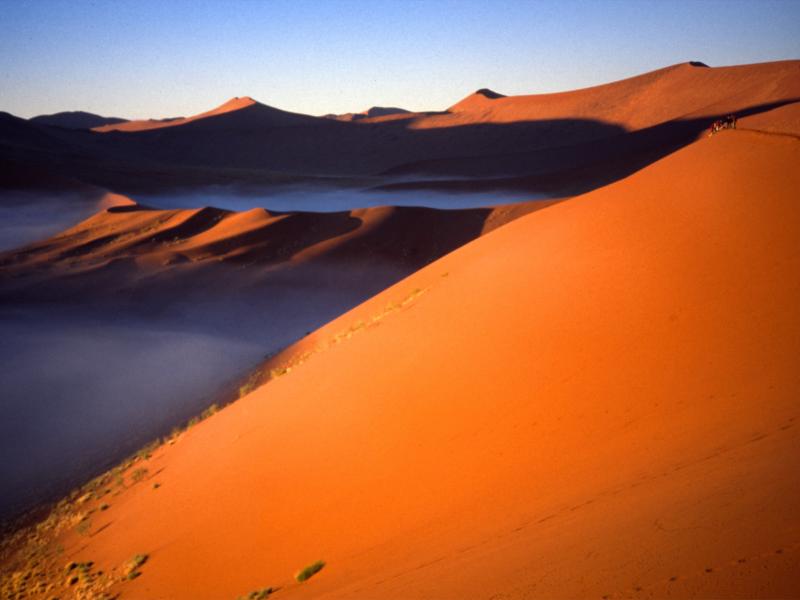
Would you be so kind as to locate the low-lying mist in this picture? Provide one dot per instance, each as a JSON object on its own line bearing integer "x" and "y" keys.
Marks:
{"x": 27, "y": 217}
{"x": 315, "y": 198}
{"x": 80, "y": 393}
{"x": 88, "y": 376}
{"x": 85, "y": 385}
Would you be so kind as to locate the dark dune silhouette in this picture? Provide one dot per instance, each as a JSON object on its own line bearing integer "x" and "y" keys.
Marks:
{"x": 576, "y": 168}
{"x": 547, "y": 143}
{"x": 476, "y": 100}
{"x": 260, "y": 114}
{"x": 76, "y": 120}
{"x": 375, "y": 111}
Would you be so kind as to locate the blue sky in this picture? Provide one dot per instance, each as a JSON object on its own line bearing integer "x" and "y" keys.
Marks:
{"x": 172, "y": 57}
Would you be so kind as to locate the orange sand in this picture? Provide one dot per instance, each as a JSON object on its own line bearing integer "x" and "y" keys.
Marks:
{"x": 675, "y": 92}
{"x": 597, "y": 400}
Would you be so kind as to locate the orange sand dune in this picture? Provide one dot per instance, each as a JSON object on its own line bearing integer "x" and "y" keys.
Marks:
{"x": 598, "y": 400}
{"x": 674, "y": 92}
{"x": 783, "y": 120}
{"x": 116, "y": 248}
{"x": 232, "y": 105}
{"x": 579, "y": 136}
{"x": 556, "y": 144}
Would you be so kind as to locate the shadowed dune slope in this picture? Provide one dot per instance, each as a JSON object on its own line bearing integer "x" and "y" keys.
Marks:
{"x": 597, "y": 135}
{"x": 169, "y": 252}
{"x": 76, "y": 120}
{"x": 259, "y": 112}
{"x": 598, "y": 400}
{"x": 631, "y": 122}
{"x": 674, "y": 92}
{"x": 555, "y": 144}
{"x": 375, "y": 112}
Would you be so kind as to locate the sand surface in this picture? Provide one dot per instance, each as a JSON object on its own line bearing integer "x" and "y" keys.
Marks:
{"x": 596, "y": 400}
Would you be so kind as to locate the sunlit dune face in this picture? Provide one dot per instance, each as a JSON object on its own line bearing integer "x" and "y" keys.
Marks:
{"x": 231, "y": 105}
{"x": 109, "y": 200}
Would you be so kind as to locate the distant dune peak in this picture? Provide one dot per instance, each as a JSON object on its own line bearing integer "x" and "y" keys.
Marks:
{"x": 235, "y": 103}
{"x": 477, "y": 99}
{"x": 232, "y": 105}
{"x": 487, "y": 93}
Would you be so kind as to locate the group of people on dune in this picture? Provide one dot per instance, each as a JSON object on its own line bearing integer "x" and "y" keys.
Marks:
{"x": 728, "y": 122}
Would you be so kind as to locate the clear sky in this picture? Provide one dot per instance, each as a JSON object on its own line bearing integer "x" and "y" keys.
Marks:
{"x": 159, "y": 58}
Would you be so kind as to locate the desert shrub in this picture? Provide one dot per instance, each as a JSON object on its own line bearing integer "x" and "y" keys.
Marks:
{"x": 84, "y": 526}
{"x": 209, "y": 411}
{"x": 308, "y": 572}
{"x": 132, "y": 566}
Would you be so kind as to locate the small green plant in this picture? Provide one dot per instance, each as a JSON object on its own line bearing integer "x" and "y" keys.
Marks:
{"x": 148, "y": 450}
{"x": 156, "y": 485}
{"x": 84, "y": 526}
{"x": 260, "y": 594}
{"x": 246, "y": 389}
{"x": 279, "y": 372}
{"x": 104, "y": 506}
{"x": 209, "y": 411}
{"x": 308, "y": 572}
{"x": 132, "y": 566}
{"x": 252, "y": 383}
{"x": 139, "y": 474}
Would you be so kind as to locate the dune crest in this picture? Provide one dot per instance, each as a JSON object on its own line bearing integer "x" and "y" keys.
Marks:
{"x": 234, "y": 104}
{"x": 678, "y": 91}
{"x": 480, "y": 99}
